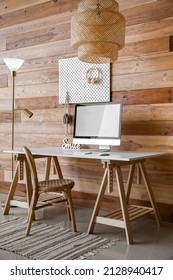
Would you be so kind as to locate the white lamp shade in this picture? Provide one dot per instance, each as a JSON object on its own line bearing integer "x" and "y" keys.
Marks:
{"x": 13, "y": 63}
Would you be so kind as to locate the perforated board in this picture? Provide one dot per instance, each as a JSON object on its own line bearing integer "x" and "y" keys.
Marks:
{"x": 72, "y": 78}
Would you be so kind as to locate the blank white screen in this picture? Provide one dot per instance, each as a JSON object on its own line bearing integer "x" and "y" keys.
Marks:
{"x": 101, "y": 121}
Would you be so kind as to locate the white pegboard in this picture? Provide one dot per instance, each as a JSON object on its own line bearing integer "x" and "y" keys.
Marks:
{"x": 72, "y": 78}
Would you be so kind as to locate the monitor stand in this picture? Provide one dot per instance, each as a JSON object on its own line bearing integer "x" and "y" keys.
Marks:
{"x": 104, "y": 148}
{"x": 101, "y": 149}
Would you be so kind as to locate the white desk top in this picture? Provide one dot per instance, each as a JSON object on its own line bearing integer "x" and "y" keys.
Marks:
{"x": 89, "y": 154}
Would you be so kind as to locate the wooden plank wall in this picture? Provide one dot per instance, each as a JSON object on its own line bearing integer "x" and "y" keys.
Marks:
{"x": 38, "y": 31}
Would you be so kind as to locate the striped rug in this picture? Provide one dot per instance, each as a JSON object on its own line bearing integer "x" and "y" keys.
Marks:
{"x": 47, "y": 242}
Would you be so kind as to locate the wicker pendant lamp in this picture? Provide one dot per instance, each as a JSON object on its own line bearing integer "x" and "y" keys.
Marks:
{"x": 98, "y": 31}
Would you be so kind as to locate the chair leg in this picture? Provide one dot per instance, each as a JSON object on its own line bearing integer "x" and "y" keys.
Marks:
{"x": 68, "y": 212}
{"x": 70, "y": 204}
{"x": 31, "y": 214}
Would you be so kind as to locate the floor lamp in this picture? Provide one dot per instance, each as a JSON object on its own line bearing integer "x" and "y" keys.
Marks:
{"x": 13, "y": 64}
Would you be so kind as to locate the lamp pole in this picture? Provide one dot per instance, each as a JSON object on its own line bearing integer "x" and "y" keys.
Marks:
{"x": 13, "y": 74}
{"x": 13, "y": 64}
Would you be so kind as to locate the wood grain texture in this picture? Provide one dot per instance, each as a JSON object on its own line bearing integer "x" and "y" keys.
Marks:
{"x": 159, "y": 112}
{"x": 10, "y": 6}
{"x": 144, "y": 96}
{"x": 7, "y": 117}
{"x": 149, "y": 12}
{"x": 35, "y": 12}
{"x": 150, "y": 46}
{"x": 3, "y": 81}
{"x": 143, "y": 80}
{"x": 51, "y": 34}
{"x": 149, "y": 30}
{"x": 144, "y": 64}
{"x": 147, "y": 128}
{"x": 38, "y": 31}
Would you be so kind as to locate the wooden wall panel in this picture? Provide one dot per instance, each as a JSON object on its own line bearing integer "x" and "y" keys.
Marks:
{"x": 6, "y": 117}
{"x": 51, "y": 34}
{"x": 149, "y": 30}
{"x": 11, "y": 5}
{"x": 157, "y": 10}
{"x": 150, "y": 143}
{"x": 3, "y": 45}
{"x": 38, "y": 11}
{"x": 142, "y": 78}
{"x": 36, "y": 77}
{"x": 147, "y": 128}
{"x": 33, "y": 53}
{"x": 144, "y": 64}
{"x": 148, "y": 112}
{"x": 50, "y": 101}
{"x": 5, "y": 105}
{"x": 3, "y": 81}
{"x": 124, "y": 4}
{"x": 35, "y": 91}
{"x": 144, "y": 96}
{"x": 138, "y": 48}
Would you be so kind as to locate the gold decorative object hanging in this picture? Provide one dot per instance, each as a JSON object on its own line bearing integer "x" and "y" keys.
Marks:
{"x": 98, "y": 31}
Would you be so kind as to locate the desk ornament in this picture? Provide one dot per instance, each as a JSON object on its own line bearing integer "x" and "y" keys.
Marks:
{"x": 70, "y": 146}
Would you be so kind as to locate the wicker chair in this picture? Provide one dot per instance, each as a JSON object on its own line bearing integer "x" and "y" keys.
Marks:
{"x": 60, "y": 189}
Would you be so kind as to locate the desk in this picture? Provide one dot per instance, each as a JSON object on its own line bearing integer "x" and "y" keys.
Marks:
{"x": 112, "y": 162}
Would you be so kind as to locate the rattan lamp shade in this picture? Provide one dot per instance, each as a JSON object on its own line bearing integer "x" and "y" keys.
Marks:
{"x": 98, "y": 31}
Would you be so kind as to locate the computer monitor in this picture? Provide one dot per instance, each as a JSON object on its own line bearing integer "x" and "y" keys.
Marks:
{"x": 98, "y": 124}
